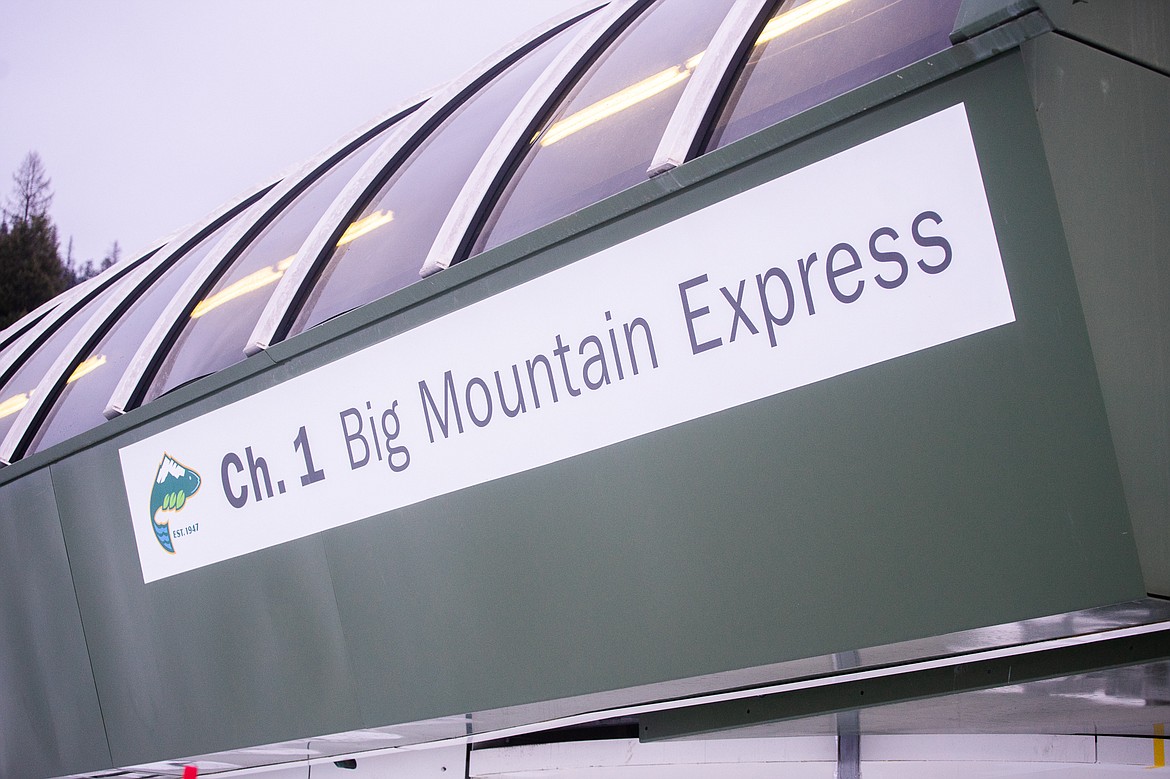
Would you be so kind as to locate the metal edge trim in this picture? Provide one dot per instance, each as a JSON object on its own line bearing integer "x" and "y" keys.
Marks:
{"x": 706, "y": 84}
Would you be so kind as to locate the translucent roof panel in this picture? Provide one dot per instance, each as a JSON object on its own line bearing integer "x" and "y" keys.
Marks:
{"x": 813, "y": 50}
{"x": 385, "y": 246}
{"x": 219, "y": 325}
{"x": 19, "y": 389}
{"x": 602, "y": 137}
{"x": 80, "y": 404}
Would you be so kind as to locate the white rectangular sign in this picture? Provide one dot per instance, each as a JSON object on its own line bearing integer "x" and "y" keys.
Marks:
{"x": 879, "y": 251}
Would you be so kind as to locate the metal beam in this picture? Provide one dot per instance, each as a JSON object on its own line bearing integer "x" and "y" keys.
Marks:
{"x": 896, "y": 684}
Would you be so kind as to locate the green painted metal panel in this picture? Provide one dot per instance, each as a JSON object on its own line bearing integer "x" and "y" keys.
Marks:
{"x": 1104, "y": 124}
{"x": 50, "y": 722}
{"x": 248, "y": 652}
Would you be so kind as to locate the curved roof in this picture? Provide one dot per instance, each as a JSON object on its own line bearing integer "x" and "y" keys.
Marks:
{"x": 591, "y": 103}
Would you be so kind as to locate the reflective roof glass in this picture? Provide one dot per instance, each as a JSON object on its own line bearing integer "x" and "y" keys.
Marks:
{"x": 219, "y": 325}
{"x": 80, "y": 404}
{"x": 602, "y": 137}
{"x": 21, "y": 387}
{"x": 384, "y": 248}
{"x": 599, "y": 140}
{"x": 813, "y": 50}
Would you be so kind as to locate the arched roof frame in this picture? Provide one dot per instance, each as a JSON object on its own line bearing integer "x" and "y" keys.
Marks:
{"x": 131, "y": 390}
{"x": 140, "y": 275}
{"x": 496, "y": 163}
{"x": 298, "y": 279}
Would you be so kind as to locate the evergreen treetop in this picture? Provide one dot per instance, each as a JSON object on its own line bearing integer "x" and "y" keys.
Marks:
{"x": 31, "y": 270}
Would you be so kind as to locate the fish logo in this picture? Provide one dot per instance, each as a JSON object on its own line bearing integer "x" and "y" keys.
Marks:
{"x": 173, "y": 487}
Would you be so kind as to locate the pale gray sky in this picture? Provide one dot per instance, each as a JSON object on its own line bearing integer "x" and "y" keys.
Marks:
{"x": 150, "y": 113}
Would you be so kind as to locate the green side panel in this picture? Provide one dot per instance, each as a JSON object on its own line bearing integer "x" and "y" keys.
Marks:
{"x": 1138, "y": 30}
{"x": 967, "y": 485}
{"x": 1105, "y": 126}
{"x": 50, "y": 723}
{"x": 237, "y": 654}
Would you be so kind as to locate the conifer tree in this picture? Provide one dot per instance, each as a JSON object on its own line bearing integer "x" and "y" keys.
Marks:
{"x": 31, "y": 270}
{"x": 32, "y": 192}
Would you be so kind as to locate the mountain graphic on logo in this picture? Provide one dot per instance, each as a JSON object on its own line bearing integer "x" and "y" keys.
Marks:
{"x": 174, "y": 484}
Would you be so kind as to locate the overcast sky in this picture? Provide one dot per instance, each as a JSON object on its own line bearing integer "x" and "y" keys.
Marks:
{"x": 150, "y": 113}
